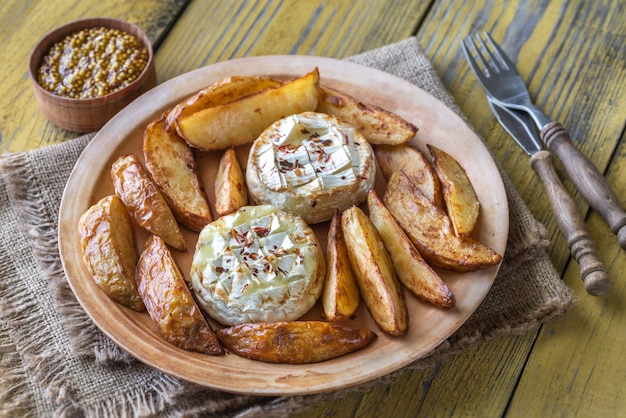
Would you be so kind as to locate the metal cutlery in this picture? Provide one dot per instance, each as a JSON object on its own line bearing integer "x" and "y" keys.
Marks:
{"x": 503, "y": 84}
{"x": 570, "y": 220}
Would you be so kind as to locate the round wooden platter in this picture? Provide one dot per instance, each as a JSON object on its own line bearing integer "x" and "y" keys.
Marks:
{"x": 428, "y": 326}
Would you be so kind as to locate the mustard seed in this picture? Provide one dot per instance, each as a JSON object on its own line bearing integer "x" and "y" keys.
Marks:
{"x": 92, "y": 63}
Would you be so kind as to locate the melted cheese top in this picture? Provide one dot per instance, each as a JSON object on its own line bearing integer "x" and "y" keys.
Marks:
{"x": 258, "y": 264}
{"x": 308, "y": 152}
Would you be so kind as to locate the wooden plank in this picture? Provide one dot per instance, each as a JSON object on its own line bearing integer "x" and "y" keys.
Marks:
{"x": 233, "y": 29}
{"x": 22, "y": 126}
{"x": 579, "y": 360}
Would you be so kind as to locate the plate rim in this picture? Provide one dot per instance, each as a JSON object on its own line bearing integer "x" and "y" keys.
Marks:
{"x": 287, "y": 63}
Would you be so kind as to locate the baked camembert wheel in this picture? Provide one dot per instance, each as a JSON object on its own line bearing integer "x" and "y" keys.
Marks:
{"x": 310, "y": 164}
{"x": 258, "y": 264}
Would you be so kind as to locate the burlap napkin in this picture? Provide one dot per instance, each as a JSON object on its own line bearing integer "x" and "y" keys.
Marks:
{"x": 54, "y": 361}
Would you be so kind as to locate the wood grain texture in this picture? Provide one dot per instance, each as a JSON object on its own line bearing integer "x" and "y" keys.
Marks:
{"x": 233, "y": 29}
{"x": 577, "y": 364}
{"x": 572, "y": 225}
{"x": 588, "y": 180}
{"x": 23, "y": 126}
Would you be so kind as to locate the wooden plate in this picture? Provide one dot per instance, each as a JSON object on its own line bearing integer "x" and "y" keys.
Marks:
{"x": 428, "y": 326}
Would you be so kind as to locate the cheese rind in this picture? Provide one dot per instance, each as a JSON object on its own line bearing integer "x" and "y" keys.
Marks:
{"x": 258, "y": 264}
{"x": 310, "y": 164}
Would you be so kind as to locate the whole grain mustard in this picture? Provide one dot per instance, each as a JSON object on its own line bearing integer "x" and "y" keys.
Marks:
{"x": 92, "y": 62}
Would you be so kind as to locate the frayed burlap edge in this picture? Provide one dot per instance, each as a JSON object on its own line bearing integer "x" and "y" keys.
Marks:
{"x": 29, "y": 357}
{"x": 16, "y": 397}
{"x": 37, "y": 383}
{"x": 17, "y": 304}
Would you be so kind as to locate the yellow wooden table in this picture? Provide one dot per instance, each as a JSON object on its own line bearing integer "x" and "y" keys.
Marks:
{"x": 572, "y": 54}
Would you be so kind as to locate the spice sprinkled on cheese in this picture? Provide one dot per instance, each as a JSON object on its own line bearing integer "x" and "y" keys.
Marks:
{"x": 258, "y": 264}
{"x": 310, "y": 160}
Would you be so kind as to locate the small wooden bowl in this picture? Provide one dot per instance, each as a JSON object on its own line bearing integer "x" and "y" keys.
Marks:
{"x": 88, "y": 115}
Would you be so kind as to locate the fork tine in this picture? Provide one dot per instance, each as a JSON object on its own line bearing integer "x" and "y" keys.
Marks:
{"x": 487, "y": 57}
{"x": 473, "y": 56}
{"x": 497, "y": 52}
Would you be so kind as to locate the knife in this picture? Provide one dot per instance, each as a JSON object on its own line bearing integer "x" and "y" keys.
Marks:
{"x": 571, "y": 223}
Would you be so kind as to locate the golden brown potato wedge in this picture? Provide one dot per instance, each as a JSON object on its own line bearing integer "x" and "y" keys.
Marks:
{"x": 242, "y": 121}
{"x": 169, "y": 302}
{"x": 374, "y": 272}
{"x": 222, "y": 92}
{"x": 377, "y": 125}
{"x": 341, "y": 297}
{"x": 413, "y": 272}
{"x": 458, "y": 193}
{"x": 430, "y": 230}
{"x": 144, "y": 201}
{"x": 109, "y": 252}
{"x": 296, "y": 342}
{"x": 230, "y": 184}
{"x": 172, "y": 166}
{"x": 413, "y": 162}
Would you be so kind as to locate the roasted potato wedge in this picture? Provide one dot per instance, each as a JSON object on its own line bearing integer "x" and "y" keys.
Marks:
{"x": 340, "y": 298}
{"x": 458, "y": 193}
{"x": 242, "y": 121}
{"x": 413, "y": 272}
{"x": 222, "y": 92}
{"x": 109, "y": 252}
{"x": 170, "y": 303}
{"x": 296, "y": 342}
{"x": 230, "y": 184}
{"x": 144, "y": 201}
{"x": 374, "y": 272}
{"x": 172, "y": 166}
{"x": 377, "y": 125}
{"x": 416, "y": 166}
{"x": 430, "y": 230}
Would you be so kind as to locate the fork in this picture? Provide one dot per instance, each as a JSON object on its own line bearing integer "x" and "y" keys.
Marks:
{"x": 498, "y": 76}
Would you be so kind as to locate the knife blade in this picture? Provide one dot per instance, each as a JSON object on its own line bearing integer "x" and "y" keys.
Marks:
{"x": 520, "y": 126}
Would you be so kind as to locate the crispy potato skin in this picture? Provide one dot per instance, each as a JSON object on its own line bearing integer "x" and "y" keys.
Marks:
{"x": 414, "y": 164}
{"x": 242, "y": 120}
{"x": 170, "y": 303}
{"x": 172, "y": 166}
{"x": 144, "y": 201}
{"x": 430, "y": 230}
{"x": 221, "y": 92}
{"x": 374, "y": 272}
{"x": 109, "y": 252}
{"x": 377, "y": 125}
{"x": 458, "y": 193}
{"x": 413, "y": 272}
{"x": 296, "y": 342}
{"x": 341, "y": 297}
{"x": 230, "y": 185}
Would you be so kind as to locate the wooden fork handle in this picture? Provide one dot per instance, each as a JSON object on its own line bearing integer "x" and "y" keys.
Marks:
{"x": 572, "y": 225}
{"x": 591, "y": 183}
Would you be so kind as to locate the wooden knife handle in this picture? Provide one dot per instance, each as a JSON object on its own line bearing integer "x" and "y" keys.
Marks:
{"x": 572, "y": 225}
{"x": 591, "y": 183}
